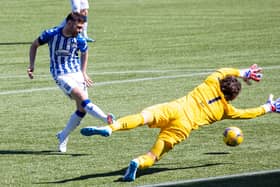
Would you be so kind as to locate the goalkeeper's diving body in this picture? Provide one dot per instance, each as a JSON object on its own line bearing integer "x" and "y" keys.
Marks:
{"x": 204, "y": 105}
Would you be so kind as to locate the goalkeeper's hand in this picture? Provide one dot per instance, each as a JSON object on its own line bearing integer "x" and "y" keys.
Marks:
{"x": 271, "y": 105}
{"x": 253, "y": 73}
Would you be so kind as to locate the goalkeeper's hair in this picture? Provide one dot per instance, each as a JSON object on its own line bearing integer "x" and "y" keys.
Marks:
{"x": 230, "y": 87}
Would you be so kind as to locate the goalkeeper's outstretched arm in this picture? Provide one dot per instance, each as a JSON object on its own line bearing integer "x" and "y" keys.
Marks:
{"x": 269, "y": 107}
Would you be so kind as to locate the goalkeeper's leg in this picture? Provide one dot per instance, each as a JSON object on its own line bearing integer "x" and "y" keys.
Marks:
{"x": 147, "y": 160}
{"x": 124, "y": 123}
{"x": 128, "y": 122}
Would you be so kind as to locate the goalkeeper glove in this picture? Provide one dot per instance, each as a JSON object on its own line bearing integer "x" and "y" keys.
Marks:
{"x": 272, "y": 106}
{"x": 253, "y": 73}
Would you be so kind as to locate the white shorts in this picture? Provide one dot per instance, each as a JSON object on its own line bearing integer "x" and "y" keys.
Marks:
{"x": 70, "y": 81}
{"x": 78, "y": 5}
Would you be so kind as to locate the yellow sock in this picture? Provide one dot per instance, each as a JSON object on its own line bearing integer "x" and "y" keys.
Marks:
{"x": 145, "y": 161}
{"x": 128, "y": 122}
{"x": 159, "y": 148}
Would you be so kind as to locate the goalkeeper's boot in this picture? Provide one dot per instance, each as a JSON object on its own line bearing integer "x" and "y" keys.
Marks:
{"x": 102, "y": 131}
{"x": 130, "y": 173}
{"x": 62, "y": 143}
{"x": 110, "y": 118}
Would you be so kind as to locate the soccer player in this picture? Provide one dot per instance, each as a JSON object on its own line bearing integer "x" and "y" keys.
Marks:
{"x": 81, "y": 6}
{"x": 204, "y": 105}
{"x": 69, "y": 71}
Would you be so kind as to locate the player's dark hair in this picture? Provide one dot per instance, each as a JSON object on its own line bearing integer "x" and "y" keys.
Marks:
{"x": 76, "y": 17}
{"x": 230, "y": 87}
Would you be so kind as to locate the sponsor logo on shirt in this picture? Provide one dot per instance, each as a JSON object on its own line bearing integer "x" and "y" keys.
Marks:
{"x": 62, "y": 52}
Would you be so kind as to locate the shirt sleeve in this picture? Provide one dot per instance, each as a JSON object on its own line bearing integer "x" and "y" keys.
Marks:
{"x": 82, "y": 44}
{"x": 46, "y": 36}
{"x": 234, "y": 113}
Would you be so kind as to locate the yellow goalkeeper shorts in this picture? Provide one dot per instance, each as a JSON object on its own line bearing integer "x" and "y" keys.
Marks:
{"x": 170, "y": 118}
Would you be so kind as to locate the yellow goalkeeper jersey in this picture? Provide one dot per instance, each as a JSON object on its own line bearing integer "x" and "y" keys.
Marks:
{"x": 206, "y": 103}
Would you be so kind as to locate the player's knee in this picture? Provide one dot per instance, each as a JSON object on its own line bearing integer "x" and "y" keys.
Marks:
{"x": 78, "y": 95}
{"x": 147, "y": 116}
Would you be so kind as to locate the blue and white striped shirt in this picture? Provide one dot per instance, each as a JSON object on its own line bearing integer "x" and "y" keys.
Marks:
{"x": 63, "y": 51}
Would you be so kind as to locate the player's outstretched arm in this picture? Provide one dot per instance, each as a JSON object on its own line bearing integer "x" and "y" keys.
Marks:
{"x": 253, "y": 73}
{"x": 271, "y": 105}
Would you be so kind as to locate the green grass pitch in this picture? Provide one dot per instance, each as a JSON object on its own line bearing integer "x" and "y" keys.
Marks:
{"x": 146, "y": 52}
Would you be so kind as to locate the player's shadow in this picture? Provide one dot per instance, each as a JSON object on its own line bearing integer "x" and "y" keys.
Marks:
{"x": 122, "y": 171}
{"x": 29, "y": 152}
{"x": 15, "y": 43}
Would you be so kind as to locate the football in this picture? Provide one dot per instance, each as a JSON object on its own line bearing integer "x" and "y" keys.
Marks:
{"x": 233, "y": 136}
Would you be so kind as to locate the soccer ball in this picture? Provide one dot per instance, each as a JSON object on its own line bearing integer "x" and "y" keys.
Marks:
{"x": 233, "y": 136}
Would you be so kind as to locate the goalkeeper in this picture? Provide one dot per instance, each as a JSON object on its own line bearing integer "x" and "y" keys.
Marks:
{"x": 206, "y": 104}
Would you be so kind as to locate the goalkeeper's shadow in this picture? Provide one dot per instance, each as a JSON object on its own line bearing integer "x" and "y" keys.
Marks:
{"x": 151, "y": 171}
{"x": 122, "y": 171}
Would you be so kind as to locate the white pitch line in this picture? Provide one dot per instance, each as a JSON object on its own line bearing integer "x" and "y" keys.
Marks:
{"x": 150, "y": 79}
{"x": 11, "y": 76}
{"x": 15, "y": 76}
{"x": 12, "y": 92}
